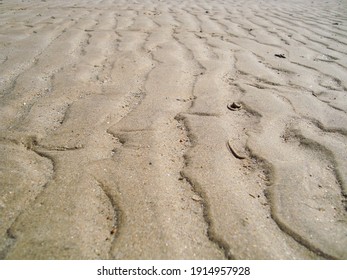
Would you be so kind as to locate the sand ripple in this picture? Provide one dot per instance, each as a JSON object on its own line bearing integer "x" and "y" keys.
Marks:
{"x": 116, "y": 140}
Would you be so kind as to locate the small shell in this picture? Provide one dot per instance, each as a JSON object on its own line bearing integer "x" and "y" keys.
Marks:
{"x": 234, "y": 106}
{"x": 235, "y": 153}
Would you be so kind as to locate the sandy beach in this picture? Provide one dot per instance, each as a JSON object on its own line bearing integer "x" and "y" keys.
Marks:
{"x": 173, "y": 129}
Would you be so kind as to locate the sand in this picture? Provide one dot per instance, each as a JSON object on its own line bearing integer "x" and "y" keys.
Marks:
{"x": 119, "y": 138}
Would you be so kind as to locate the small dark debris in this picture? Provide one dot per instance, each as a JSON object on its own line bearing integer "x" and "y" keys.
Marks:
{"x": 206, "y": 12}
{"x": 335, "y": 23}
{"x": 280, "y": 55}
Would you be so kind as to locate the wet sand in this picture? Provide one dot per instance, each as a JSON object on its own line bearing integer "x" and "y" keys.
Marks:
{"x": 173, "y": 129}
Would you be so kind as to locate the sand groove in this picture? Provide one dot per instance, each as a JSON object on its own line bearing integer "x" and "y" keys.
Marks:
{"x": 117, "y": 141}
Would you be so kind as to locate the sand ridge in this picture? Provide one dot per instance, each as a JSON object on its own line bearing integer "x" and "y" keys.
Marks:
{"x": 118, "y": 140}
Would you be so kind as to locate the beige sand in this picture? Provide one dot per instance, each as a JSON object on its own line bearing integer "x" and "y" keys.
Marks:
{"x": 116, "y": 140}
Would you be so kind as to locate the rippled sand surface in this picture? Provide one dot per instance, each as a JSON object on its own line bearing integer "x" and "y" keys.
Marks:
{"x": 173, "y": 129}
